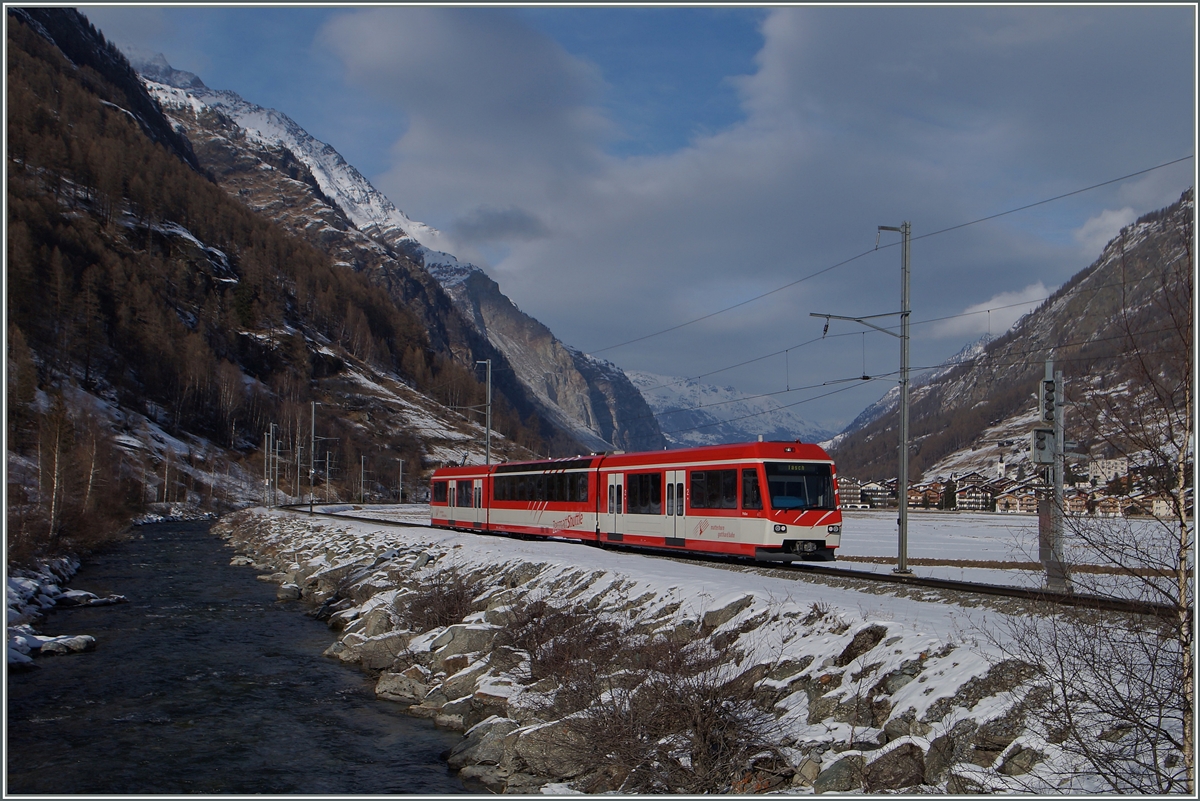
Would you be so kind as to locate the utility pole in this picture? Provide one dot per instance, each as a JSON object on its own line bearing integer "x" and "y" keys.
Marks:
{"x": 488, "y": 423}
{"x": 1048, "y": 447}
{"x": 400, "y": 491}
{"x": 312, "y": 455}
{"x": 905, "y": 231}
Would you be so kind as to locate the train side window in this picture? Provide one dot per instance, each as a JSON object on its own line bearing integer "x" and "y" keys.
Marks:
{"x": 679, "y": 499}
{"x": 714, "y": 489}
{"x": 479, "y": 497}
{"x": 644, "y": 493}
{"x": 464, "y": 494}
{"x": 751, "y": 495}
{"x": 618, "y": 499}
{"x": 439, "y": 492}
{"x": 670, "y": 498}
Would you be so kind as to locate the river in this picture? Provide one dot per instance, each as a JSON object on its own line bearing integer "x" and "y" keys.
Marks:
{"x": 204, "y": 683}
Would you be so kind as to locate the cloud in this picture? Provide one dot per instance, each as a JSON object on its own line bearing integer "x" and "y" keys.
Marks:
{"x": 994, "y": 315}
{"x": 1094, "y": 234}
{"x": 852, "y": 118}
{"x": 486, "y": 225}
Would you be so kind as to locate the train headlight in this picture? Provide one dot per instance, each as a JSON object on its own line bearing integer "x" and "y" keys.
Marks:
{"x": 780, "y": 529}
{"x": 835, "y": 529}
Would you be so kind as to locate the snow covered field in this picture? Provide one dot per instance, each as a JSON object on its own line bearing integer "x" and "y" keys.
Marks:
{"x": 944, "y": 536}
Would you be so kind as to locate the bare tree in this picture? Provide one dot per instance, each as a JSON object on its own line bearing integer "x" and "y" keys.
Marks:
{"x": 1116, "y": 691}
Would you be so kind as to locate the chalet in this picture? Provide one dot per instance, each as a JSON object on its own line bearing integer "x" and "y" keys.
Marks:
{"x": 875, "y": 495}
{"x": 973, "y": 497}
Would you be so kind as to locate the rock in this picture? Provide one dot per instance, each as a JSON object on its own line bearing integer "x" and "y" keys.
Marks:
{"x": 844, "y": 775}
{"x": 377, "y": 621}
{"x": 863, "y": 641}
{"x": 274, "y": 578}
{"x": 715, "y": 618}
{"x": 903, "y": 766}
{"x": 1020, "y": 761}
{"x": 463, "y": 638}
{"x": 288, "y": 592}
{"x": 524, "y": 784}
{"x": 504, "y": 659}
{"x": 808, "y": 771}
{"x": 556, "y": 749}
{"x": 402, "y": 688}
{"x": 492, "y": 777}
{"x": 464, "y": 682}
{"x": 949, "y": 749}
{"x": 69, "y": 645}
{"x": 964, "y": 785}
{"x": 483, "y": 743}
{"x": 377, "y": 653}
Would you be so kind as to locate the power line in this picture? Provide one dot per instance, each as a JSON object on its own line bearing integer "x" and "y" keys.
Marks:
{"x": 884, "y": 247}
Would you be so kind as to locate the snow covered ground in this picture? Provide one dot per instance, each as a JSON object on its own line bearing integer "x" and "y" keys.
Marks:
{"x": 948, "y": 537}
{"x": 930, "y": 634}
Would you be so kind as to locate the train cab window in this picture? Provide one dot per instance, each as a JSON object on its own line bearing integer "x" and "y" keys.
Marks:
{"x": 714, "y": 489}
{"x": 795, "y": 485}
{"x": 644, "y": 493}
{"x": 751, "y": 496}
{"x": 439, "y": 492}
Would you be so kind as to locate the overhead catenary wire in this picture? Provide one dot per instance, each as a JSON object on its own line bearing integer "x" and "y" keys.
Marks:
{"x": 855, "y": 258}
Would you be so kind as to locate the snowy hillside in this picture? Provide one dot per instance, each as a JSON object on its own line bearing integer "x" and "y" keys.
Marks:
{"x": 691, "y": 413}
{"x": 891, "y": 398}
{"x": 592, "y": 403}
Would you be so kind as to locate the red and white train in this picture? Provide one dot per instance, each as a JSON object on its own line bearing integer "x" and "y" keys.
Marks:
{"x": 773, "y": 501}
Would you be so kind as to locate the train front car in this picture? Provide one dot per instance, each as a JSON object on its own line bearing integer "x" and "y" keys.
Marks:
{"x": 801, "y": 503}
{"x": 773, "y": 501}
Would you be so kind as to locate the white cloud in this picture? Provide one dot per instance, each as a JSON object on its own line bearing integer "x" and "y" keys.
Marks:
{"x": 1094, "y": 234}
{"x": 994, "y": 315}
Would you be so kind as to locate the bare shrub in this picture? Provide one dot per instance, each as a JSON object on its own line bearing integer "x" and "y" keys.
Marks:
{"x": 443, "y": 601}
{"x": 687, "y": 725}
{"x": 572, "y": 646}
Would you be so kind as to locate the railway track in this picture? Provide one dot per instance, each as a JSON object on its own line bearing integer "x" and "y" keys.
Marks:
{"x": 1097, "y": 603}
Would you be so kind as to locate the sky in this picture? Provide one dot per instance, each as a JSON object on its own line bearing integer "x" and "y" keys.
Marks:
{"x": 621, "y": 171}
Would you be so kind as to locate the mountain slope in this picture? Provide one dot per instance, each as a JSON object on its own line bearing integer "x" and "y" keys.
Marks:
{"x": 1080, "y": 326}
{"x": 590, "y": 402}
{"x": 158, "y": 328}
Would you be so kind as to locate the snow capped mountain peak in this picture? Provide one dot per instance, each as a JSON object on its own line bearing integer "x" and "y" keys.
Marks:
{"x": 692, "y": 413}
{"x": 366, "y": 207}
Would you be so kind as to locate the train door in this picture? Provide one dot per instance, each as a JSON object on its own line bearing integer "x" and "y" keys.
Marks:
{"x": 674, "y": 507}
{"x": 613, "y": 517}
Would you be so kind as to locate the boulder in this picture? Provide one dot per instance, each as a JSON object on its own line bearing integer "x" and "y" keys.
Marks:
{"x": 1020, "y": 761}
{"x": 862, "y": 642}
{"x": 483, "y": 743}
{"x": 462, "y": 638}
{"x": 288, "y": 592}
{"x": 69, "y": 645}
{"x": 557, "y": 749}
{"x": 465, "y": 681}
{"x": 715, "y": 618}
{"x": 901, "y": 767}
{"x": 377, "y": 653}
{"x": 400, "y": 687}
{"x": 495, "y": 779}
{"x": 842, "y": 776}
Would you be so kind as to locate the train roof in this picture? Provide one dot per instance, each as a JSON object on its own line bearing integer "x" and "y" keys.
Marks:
{"x": 705, "y": 453}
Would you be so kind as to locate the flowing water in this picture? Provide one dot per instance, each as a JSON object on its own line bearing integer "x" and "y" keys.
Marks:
{"x": 204, "y": 683}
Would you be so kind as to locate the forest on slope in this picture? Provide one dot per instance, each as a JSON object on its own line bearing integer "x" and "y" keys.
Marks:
{"x": 136, "y": 279}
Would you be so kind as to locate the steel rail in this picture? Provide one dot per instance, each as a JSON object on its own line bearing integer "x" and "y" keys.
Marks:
{"x": 1099, "y": 603}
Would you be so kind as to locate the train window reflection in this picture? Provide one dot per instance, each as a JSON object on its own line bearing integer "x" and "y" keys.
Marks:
{"x": 798, "y": 485}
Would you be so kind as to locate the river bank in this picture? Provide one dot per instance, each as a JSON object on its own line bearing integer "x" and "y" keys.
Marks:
{"x": 569, "y": 668}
